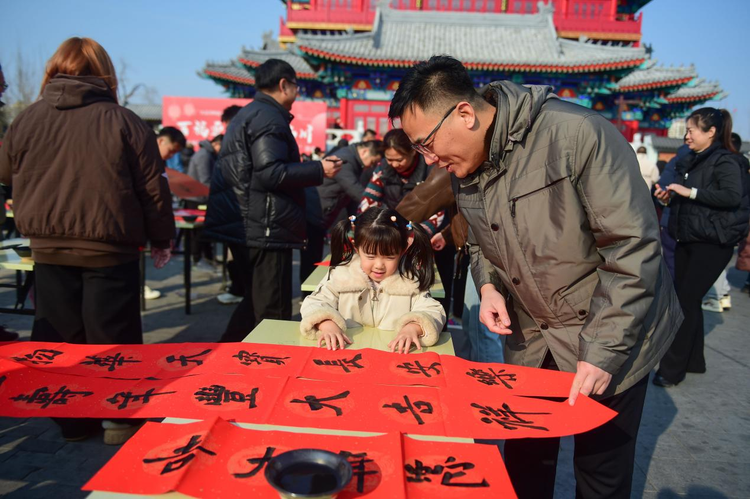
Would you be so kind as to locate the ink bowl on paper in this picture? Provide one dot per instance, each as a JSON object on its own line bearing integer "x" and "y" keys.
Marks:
{"x": 308, "y": 473}
{"x": 190, "y": 218}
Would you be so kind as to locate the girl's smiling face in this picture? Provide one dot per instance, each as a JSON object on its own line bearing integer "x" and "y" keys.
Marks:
{"x": 378, "y": 267}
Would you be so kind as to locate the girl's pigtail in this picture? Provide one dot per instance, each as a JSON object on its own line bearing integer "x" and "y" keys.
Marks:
{"x": 419, "y": 261}
{"x": 342, "y": 247}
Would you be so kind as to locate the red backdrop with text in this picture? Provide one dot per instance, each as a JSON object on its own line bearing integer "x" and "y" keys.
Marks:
{"x": 199, "y": 119}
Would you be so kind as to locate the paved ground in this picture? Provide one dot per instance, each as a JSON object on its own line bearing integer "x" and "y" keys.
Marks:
{"x": 694, "y": 440}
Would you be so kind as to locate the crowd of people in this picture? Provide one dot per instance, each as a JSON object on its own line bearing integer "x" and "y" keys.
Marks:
{"x": 584, "y": 257}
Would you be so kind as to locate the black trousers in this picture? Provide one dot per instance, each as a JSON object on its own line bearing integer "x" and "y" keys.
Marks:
{"x": 267, "y": 277}
{"x": 445, "y": 260}
{"x": 697, "y": 266}
{"x": 199, "y": 247}
{"x": 87, "y": 305}
{"x": 603, "y": 458}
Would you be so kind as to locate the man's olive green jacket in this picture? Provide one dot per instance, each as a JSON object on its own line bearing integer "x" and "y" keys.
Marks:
{"x": 563, "y": 225}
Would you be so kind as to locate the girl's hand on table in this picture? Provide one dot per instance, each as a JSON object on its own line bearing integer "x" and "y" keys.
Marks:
{"x": 332, "y": 335}
{"x": 407, "y": 337}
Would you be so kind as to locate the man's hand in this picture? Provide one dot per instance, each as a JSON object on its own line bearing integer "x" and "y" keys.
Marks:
{"x": 161, "y": 256}
{"x": 408, "y": 335}
{"x": 331, "y": 166}
{"x": 492, "y": 310}
{"x": 332, "y": 335}
{"x": 661, "y": 194}
{"x": 589, "y": 380}
{"x": 437, "y": 241}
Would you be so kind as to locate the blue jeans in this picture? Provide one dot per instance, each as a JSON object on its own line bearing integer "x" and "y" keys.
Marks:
{"x": 486, "y": 346}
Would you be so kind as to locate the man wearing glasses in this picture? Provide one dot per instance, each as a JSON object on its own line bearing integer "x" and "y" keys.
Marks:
{"x": 565, "y": 252}
{"x": 257, "y": 198}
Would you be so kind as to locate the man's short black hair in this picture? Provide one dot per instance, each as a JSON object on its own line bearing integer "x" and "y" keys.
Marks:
{"x": 270, "y": 73}
{"x": 436, "y": 83}
{"x": 375, "y": 147}
{"x": 736, "y": 141}
{"x": 218, "y": 138}
{"x": 174, "y": 135}
{"x": 229, "y": 113}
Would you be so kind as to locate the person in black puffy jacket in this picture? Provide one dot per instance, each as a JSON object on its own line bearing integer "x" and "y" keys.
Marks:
{"x": 257, "y": 198}
{"x": 709, "y": 209}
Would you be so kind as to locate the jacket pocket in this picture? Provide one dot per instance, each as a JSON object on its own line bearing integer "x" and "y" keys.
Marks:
{"x": 577, "y": 297}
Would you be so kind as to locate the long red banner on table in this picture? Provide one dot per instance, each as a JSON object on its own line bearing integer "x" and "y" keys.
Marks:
{"x": 362, "y": 390}
{"x": 217, "y": 459}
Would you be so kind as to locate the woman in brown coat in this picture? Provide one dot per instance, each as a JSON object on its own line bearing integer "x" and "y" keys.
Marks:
{"x": 89, "y": 190}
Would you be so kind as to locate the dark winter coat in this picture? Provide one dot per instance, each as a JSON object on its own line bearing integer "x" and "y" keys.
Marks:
{"x": 394, "y": 188}
{"x": 88, "y": 181}
{"x": 719, "y": 214}
{"x": 257, "y": 188}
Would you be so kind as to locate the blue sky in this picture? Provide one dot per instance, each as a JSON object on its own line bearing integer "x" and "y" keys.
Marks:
{"x": 165, "y": 43}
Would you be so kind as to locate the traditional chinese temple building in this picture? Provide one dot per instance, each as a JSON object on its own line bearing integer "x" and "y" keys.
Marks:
{"x": 353, "y": 53}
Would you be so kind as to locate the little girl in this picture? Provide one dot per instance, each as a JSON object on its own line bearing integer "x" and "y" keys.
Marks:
{"x": 380, "y": 278}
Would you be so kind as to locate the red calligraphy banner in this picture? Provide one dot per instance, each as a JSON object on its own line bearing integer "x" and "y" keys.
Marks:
{"x": 217, "y": 459}
{"x": 440, "y": 469}
{"x": 361, "y": 390}
{"x": 184, "y": 186}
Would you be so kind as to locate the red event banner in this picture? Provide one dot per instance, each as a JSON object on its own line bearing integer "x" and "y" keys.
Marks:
{"x": 199, "y": 118}
{"x": 217, "y": 459}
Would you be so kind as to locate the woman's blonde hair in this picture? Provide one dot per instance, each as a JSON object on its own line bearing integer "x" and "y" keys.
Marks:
{"x": 81, "y": 57}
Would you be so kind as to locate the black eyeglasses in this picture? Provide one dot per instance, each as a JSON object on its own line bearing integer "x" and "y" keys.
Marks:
{"x": 422, "y": 147}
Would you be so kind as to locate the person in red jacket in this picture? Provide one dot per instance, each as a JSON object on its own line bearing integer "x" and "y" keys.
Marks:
{"x": 89, "y": 190}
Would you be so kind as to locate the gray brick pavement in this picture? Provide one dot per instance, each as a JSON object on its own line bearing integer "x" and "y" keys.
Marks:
{"x": 694, "y": 440}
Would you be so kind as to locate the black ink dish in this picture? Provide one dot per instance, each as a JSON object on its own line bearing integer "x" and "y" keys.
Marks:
{"x": 190, "y": 218}
{"x": 308, "y": 473}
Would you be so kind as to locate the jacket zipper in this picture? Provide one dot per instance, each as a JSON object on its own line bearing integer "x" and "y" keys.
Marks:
{"x": 268, "y": 215}
{"x": 513, "y": 200}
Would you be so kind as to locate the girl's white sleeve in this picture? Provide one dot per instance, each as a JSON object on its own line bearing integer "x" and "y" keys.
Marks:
{"x": 321, "y": 305}
{"x": 429, "y": 314}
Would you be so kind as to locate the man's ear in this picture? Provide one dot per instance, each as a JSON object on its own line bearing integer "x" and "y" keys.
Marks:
{"x": 467, "y": 114}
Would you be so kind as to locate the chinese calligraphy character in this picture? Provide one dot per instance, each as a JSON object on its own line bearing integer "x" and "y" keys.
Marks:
{"x": 317, "y": 404}
{"x": 507, "y": 418}
{"x": 247, "y": 358}
{"x": 110, "y": 361}
{"x": 420, "y": 473}
{"x": 41, "y": 356}
{"x": 415, "y": 409}
{"x": 344, "y": 364}
{"x": 492, "y": 378}
{"x": 259, "y": 463}
{"x": 184, "y": 359}
{"x": 417, "y": 368}
{"x": 201, "y": 129}
{"x": 359, "y": 467}
{"x": 128, "y": 397}
{"x": 217, "y": 128}
{"x": 182, "y": 456}
{"x": 217, "y": 395}
{"x": 2, "y": 380}
{"x": 43, "y": 397}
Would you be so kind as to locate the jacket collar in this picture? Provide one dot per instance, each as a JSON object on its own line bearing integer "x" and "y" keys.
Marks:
{"x": 350, "y": 278}
{"x": 260, "y": 96}
{"x": 517, "y": 106}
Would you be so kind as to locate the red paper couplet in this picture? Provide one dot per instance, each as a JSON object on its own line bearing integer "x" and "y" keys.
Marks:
{"x": 439, "y": 469}
{"x": 217, "y": 459}
{"x": 184, "y": 186}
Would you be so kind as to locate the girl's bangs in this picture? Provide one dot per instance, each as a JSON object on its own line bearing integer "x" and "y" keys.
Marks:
{"x": 380, "y": 240}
